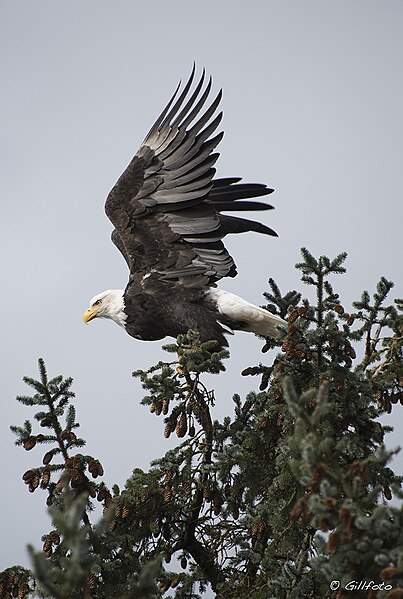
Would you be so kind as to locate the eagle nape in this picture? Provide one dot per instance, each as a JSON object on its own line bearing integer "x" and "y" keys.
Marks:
{"x": 167, "y": 212}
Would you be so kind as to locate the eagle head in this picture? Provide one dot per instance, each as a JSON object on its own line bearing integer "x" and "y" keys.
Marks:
{"x": 108, "y": 304}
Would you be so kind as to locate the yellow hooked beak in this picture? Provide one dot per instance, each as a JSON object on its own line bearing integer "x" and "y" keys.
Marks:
{"x": 90, "y": 314}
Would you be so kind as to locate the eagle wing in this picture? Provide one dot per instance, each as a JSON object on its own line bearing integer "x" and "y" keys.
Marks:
{"x": 165, "y": 207}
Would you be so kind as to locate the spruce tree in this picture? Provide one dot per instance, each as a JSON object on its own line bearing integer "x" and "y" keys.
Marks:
{"x": 289, "y": 496}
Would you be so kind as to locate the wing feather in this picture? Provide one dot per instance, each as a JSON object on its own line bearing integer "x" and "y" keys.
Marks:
{"x": 165, "y": 206}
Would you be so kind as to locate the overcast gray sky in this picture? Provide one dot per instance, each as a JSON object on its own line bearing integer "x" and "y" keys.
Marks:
{"x": 312, "y": 107}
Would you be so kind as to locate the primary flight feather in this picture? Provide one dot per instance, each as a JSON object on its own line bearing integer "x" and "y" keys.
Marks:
{"x": 167, "y": 212}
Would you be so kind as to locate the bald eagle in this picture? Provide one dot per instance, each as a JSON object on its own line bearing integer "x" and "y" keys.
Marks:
{"x": 167, "y": 212}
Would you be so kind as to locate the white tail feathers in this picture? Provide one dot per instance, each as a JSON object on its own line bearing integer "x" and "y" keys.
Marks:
{"x": 253, "y": 319}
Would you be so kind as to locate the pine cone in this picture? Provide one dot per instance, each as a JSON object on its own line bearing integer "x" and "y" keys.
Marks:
{"x": 168, "y": 476}
{"x": 294, "y": 315}
{"x": 47, "y": 546}
{"x": 60, "y": 484}
{"x": 217, "y": 499}
{"x": 101, "y": 495}
{"x": 91, "y": 581}
{"x": 47, "y": 458}
{"x": 45, "y": 477}
{"x": 95, "y": 468}
{"x": 181, "y": 427}
{"x": 187, "y": 486}
{"x": 64, "y": 435}
{"x": 23, "y": 590}
{"x": 169, "y": 428}
{"x": 29, "y": 443}
{"x": 175, "y": 581}
{"x": 34, "y": 483}
{"x": 46, "y": 421}
{"x": 72, "y": 438}
{"x": 54, "y": 537}
{"x": 263, "y": 422}
{"x": 77, "y": 461}
{"x": 28, "y": 476}
{"x": 118, "y": 510}
{"x": 125, "y": 511}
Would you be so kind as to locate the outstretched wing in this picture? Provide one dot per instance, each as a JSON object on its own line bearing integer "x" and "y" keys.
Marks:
{"x": 165, "y": 207}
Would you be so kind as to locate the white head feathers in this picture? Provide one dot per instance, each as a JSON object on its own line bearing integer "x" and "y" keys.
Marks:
{"x": 108, "y": 304}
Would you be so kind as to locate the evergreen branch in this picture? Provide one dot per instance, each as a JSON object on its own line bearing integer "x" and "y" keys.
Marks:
{"x": 240, "y": 503}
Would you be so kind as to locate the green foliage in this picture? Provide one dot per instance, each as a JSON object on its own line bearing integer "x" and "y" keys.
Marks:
{"x": 276, "y": 501}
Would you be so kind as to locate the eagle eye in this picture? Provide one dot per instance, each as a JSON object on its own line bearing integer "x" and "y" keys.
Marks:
{"x": 97, "y": 303}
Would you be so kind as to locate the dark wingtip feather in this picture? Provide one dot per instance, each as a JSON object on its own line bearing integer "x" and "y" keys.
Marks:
{"x": 228, "y": 191}
{"x": 228, "y": 206}
{"x": 235, "y": 224}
